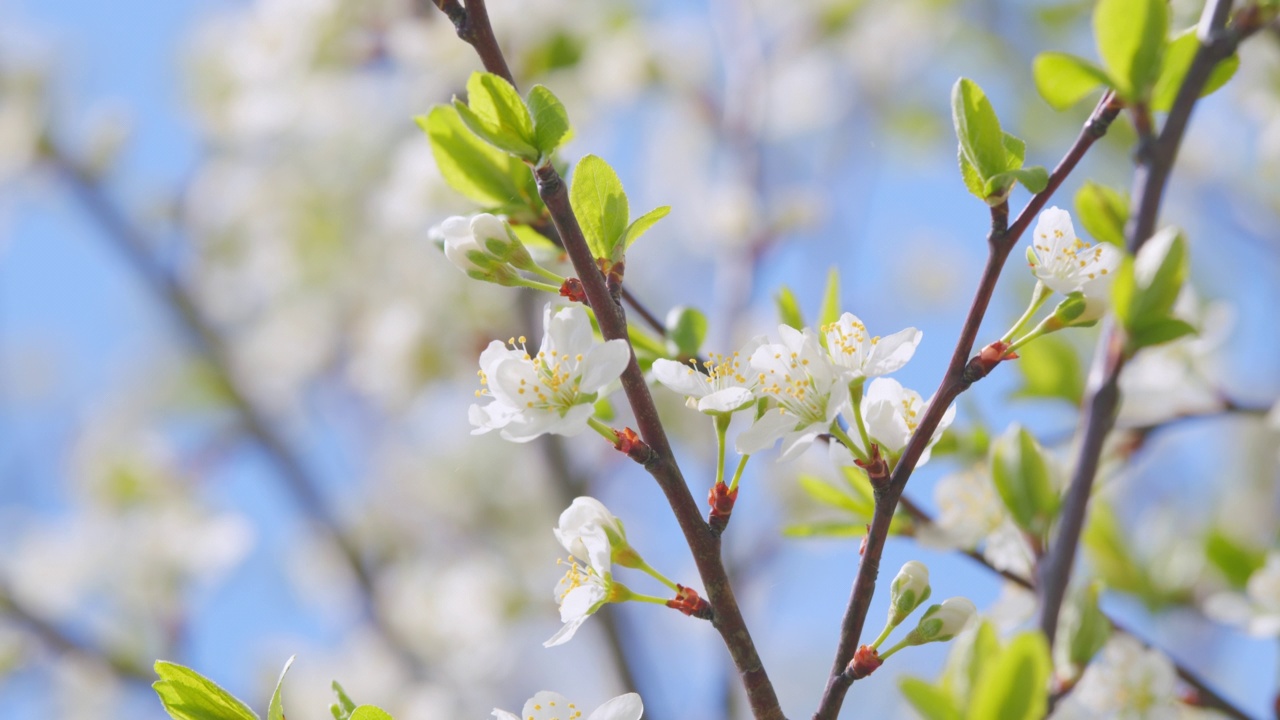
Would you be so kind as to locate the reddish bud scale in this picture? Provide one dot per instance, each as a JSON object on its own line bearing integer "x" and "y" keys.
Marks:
{"x": 986, "y": 360}
{"x": 864, "y": 662}
{"x": 877, "y": 468}
{"x": 688, "y": 602}
{"x": 721, "y": 500}
{"x": 630, "y": 444}
{"x": 862, "y": 548}
{"x": 572, "y": 289}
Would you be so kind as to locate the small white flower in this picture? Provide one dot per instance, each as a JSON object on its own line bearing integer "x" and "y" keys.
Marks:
{"x": 860, "y": 355}
{"x": 582, "y": 591}
{"x": 725, "y": 385}
{"x": 548, "y": 705}
{"x": 553, "y": 392}
{"x": 462, "y": 236}
{"x": 892, "y": 413}
{"x": 1125, "y": 681}
{"x": 799, "y": 377}
{"x": 1064, "y": 262}
{"x": 970, "y": 512}
{"x": 583, "y": 524}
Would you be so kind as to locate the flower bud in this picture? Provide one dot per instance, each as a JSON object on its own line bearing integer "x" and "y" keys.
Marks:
{"x": 909, "y": 590}
{"x": 584, "y": 518}
{"x": 942, "y": 622}
{"x": 1076, "y": 310}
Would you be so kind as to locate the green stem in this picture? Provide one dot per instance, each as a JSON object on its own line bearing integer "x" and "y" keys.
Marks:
{"x": 558, "y": 280}
{"x": 848, "y": 442}
{"x": 534, "y": 284}
{"x": 1038, "y": 296}
{"x": 722, "y": 427}
{"x": 855, "y": 394}
{"x": 1043, "y": 328}
{"x": 647, "y": 569}
{"x": 647, "y": 598}
{"x": 737, "y": 474}
{"x": 904, "y": 642}
{"x": 884, "y": 635}
{"x": 605, "y": 431}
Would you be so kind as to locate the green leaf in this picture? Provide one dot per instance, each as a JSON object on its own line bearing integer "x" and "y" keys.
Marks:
{"x": 828, "y": 494}
{"x": 1015, "y": 685}
{"x": 1131, "y": 36}
{"x": 789, "y": 308}
{"x": 600, "y": 204}
{"x": 188, "y": 695}
{"x": 1015, "y": 151}
{"x": 826, "y": 529}
{"x": 369, "y": 712}
{"x": 830, "y": 310}
{"x": 1064, "y": 80}
{"x": 275, "y": 711}
{"x": 978, "y": 129}
{"x": 469, "y": 165}
{"x": 495, "y": 112}
{"x": 639, "y": 227}
{"x": 1034, "y": 178}
{"x": 534, "y": 240}
{"x": 1085, "y": 627}
{"x": 1022, "y": 477}
{"x": 686, "y": 331}
{"x": 551, "y": 127}
{"x": 1159, "y": 269}
{"x": 1159, "y": 332}
{"x": 1103, "y": 212}
{"x": 970, "y": 654}
{"x": 1237, "y": 562}
{"x": 973, "y": 181}
{"x": 1050, "y": 368}
{"x": 342, "y": 709}
{"x": 929, "y": 700}
{"x": 1177, "y": 60}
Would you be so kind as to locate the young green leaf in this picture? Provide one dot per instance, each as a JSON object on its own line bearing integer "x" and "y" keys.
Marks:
{"x": 1103, "y": 212}
{"x": 600, "y": 204}
{"x": 929, "y": 700}
{"x": 789, "y": 308}
{"x": 641, "y": 226}
{"x": 1237, "y": 562}
{"x": 686, "y": 331}
{"x": 551, "y": 127}
{"x": 1022, "y": 477}
{"x": 1159, "y": 271}
{"x": 495, "y": 112}
{"x": 1084, "y": 626}
{"x": 978, "y": 129}
{"x": 188, "y": 695}
{"x": 830, "y": 310}
{"x": 1034, "y": 178}
{"x": 342, "y": 709}
{"x": 1050, "y": 368}
{"x": 369, "y": 712}
{"x": 828, "y": 494}
{"x": 1159, "y": 332}
{"x": 275, "y": 711}
{"x": 474, "y": 168}
{"x": 1014, "y": 686}
{"x": 1064, "y": 80}
{"x": 1177, "y": 60}
{"x": 1131, "y": 36}
{"x": 969, "y": 657}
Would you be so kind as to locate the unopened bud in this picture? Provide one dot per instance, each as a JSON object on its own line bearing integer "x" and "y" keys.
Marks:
{"x": 909, "y": 591}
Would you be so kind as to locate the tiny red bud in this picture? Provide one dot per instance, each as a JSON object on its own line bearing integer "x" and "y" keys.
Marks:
{"x": 986, "y": 360}
{"x": 721, "y": 500}
{"x": 688, "y": 602}
{"x": 877, "y": 468}
{"x": 572, "y": 289}
{"x": 864, "y": 662}
{"x": 630, "y": 444}
{"x": 862, "y": 548}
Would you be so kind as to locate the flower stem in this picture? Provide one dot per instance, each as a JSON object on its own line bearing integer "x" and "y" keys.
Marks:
{"x": 1038, "y": 296}
{"x": 722, "y": 427}
{"x": 605, "y": 431}
{"x": 534, "y": 284}
{"x": 648, "y": 569}
{"x": 904, "y": 642}
{"x": 884, "y": 635}
{"x": 848, "y": 442}
{"x": 554, "y": 278}
{"x": 737, "y": 474}
{"x": 647, "y": 598}
{"x": 855, "y": 395}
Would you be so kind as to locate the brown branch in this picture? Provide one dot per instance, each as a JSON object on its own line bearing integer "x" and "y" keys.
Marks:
{"x": 1206, "y": 696}
{"x": 130, "y": 242}
{"x": 1155, "y": 163}
{"x": 960, "y": 374}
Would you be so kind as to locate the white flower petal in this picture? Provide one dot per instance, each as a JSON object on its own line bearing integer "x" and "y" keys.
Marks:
{"x": 893, "y": 352}
{"x": 623, "y": 707}
{"x": 726, "y": 401}
{"x": 603, "y": 364}
{"x": 764, "y": 432}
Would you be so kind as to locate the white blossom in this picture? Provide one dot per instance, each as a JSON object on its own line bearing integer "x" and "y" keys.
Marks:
{"x": 1125, "y": 682}
{"x": 892, "y": 413}
{"x": 799, "y": 378}
{"x": 548, "y": 705}
{"x": 862, "y": 355}
{"x": 725, "y": 384}
{"x": 583, "y": 590}
{"x": 1064, "y": 262}
{"x": 909, "y": 589}
{"x": 583, "y": 524}
{"x": 553, "y": 392}
{"x": 462, "y": 237}
{"x": 943, "y": 622}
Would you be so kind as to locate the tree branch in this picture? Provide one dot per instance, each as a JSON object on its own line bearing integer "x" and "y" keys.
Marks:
{"x": 960, "y": 374}
{"x": 703, "y": 543}
{"x": 1149, "y": 183}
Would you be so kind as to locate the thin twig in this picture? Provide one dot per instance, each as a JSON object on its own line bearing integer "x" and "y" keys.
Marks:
{"x": 1155, "y": 162}
{"x": 130, "y": 242}
{"x": 703, "y": 543}
{"x": 957, "y": 379}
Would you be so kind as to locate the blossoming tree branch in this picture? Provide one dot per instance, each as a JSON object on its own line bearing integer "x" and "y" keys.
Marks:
{"x": 827, "y": 388}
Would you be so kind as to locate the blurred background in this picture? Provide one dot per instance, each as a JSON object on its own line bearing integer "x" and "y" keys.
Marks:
{"x": 234, "y": 372}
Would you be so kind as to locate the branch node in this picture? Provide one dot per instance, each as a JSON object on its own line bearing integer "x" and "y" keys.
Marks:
{"x": 877, "y": 469}
{"x": 865, "y": 661}
{"x": 721, "y": 500}
{"x": 688, "y": 602}
{"x": 630, "y": 444}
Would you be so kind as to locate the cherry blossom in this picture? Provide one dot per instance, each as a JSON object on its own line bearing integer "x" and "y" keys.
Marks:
{"x": 892, "y": 414}
{"x": 1064, "y": 262}
{"x": 861, "y": 355}
{"x": 548, "y": 705}
{"x": 725, "y": 384}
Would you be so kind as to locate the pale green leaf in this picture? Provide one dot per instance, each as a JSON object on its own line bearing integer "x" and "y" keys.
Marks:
{"x": 369, "y": 712}
{"x": 600, "y": 204}
{"x": 1050, "y": 368}
{"x": 275, "y": 711}
{"x": 929, "y": 700}
{"x": 551, "y": 127}
{"x": 1102, "y": 212}
{"x": 188, "y": 695}
{"x": 1064, "y": 80}
{"x": 1015, "y": 685}
{"x": 1131, "y": 35}
{"x": 1177, "y": 60}
{"x": 342, "y": 709}
{"x": 978, "y": 128}
{"x": 474, "y": 168}
{"x": 686, "y": 331}
{"x": 640, "y": 226}
{"x": 789, "y": 308}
